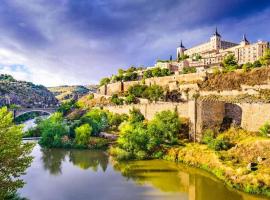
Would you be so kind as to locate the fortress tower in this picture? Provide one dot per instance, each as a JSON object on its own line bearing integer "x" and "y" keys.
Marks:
{"x": 215, "y": 40}
{"x": 180, "y": 50}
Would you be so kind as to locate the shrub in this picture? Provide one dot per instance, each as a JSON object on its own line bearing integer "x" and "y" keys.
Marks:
{"x": 116, "y": 119}
{"x": 52, "y": 130}
{"x": 164, "y": 128}
{"x": 208, "y": 136}
{"x": 135, "y": 116}
{"x": 137, "y": 90}
{"x": 188, "y": 70}
{"x": 131, "y": 99}
{"x": 82, "y": 134}
{"x": 116, "y": 100}
{"x": 265, "y": 130}
{"x": 97, "y": 119}
{"x": 153, "y": 93}
{"x": 230, "y": 63}
{"x": 220, "y": 143}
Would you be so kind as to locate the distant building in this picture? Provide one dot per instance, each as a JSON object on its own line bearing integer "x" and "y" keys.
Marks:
{"x": 213, "y": 52}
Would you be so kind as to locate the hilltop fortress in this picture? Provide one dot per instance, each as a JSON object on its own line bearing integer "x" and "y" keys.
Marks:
{"x": 213, "y": 52}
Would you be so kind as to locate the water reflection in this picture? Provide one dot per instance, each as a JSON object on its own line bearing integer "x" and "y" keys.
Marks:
{"x": 169, "y": 177}
{"x": 82, "y": 174}
{"x": 93, "y": 161}
{"x": 52, "y": 159}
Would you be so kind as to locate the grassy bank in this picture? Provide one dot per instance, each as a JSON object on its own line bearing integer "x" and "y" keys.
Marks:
{"x": 245, "y": 166}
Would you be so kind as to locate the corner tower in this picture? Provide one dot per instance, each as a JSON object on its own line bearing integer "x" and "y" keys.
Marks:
{"x": 180, "y": 51}
{"x": 215, "y": 40}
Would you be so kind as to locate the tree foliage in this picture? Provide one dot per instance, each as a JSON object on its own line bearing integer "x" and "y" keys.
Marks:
{"x": 52, "y": 130}
{"x": 82, "y": 134}
{"x": 265, "y": 60}
{"x": 230, "y": 63}
{"x": 14, "y": 155}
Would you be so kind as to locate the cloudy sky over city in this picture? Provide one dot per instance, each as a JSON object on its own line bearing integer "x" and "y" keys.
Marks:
{"x": 56, "y": 42}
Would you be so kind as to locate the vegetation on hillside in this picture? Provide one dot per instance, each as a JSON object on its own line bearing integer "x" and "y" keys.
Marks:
{"x": 14, "y": 155}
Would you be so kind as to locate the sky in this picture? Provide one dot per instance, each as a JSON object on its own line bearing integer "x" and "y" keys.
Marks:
{"x": 70, "y": 42}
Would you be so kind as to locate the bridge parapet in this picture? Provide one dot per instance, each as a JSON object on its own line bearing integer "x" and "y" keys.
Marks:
{"x": 19, "y": 112}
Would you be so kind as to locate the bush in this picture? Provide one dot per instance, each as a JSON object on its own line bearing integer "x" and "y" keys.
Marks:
{"x": 153, "y": 93}
{"x": 220, "y": 143}
{"x": 82, "y": 134}
{"x": 116, "y": 100}
{"x": 188, "y": 70}
{"x": 265, "y": 130}
{"x": 135, "y": 116}
{"x": 208, "y": 136}
{"x": 131, "y": 99}
{"x": 229, "y": 63}
{"x": 137, "y": 90}
{"x": 164, "y": 128}
{"x": 52, "y": 130}
{"x": 97, "y": 119}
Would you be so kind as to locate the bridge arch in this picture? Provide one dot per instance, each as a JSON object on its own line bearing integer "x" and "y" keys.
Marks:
{"x": 21, "y": 112}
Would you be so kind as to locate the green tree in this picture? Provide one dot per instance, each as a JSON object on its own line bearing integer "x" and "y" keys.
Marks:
{"x": 104, "y": 81}
{"x": 116, "y": 100}
{"x": 164, "y": 128}
{"x": 257, "y": 63}
{"x": 135, "y": 116}
{"x": 156, "y": 72}
{"x": 82, "y": 134}
{"x": 183, "y": 57}
{"x": 14, "y": 155}
{"x": 230, "y": 63}
{"x": 52, "y": 130}
{"x": 147, "y": 74}
{"x": 265, "y": 60}
{"x": 97, "y": 119}
{"x": 130, "y": 99}
{"x": 137, "y": 90}
{"x": 247, "y": 66}
{"x": 153, "y": 93}
{"x": 165, "y": 72}
{"x": 188, "y": 70}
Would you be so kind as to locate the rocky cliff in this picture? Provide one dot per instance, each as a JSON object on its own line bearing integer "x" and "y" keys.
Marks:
{"x": 24, "y": 94}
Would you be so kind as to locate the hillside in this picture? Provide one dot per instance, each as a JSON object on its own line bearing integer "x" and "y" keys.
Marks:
{"x": 24, "y": 94}
{"x": 65, "y": 92}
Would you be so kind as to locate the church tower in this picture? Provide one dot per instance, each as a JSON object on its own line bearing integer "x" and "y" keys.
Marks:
{"x": 244, "y": 41}
{"x": 180, "y": 51}
{"x": 215, "y": 40}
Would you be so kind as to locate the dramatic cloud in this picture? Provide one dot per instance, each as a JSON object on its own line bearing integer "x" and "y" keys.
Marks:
{"x": 54, "y": 42}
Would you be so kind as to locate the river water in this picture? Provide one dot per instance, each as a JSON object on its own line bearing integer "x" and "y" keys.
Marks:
{"x": 58, "y": 174}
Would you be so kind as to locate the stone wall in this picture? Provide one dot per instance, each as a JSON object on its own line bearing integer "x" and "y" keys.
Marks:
{"x": 254, "y": 115}
{"x": 209, "y": 115}
{"x": 171, "y": 82}
{"x": 149, "y": 110}
{"x": 206, "y": 114}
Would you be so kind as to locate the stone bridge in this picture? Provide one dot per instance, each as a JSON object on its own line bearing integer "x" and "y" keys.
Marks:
{"x": 19, "y": 112}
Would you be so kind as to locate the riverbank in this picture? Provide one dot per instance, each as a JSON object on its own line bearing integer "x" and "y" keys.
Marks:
{"x": 245, "y": 166}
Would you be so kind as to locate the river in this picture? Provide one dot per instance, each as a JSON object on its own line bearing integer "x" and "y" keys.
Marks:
{"x": 59, "y": 174}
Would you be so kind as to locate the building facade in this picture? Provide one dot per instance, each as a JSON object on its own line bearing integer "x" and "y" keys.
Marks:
{"x": 212, "y": 53}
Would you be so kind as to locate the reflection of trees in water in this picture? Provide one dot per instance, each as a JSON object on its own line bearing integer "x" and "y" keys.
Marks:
{"x": 86, "y": 159}
{"x": 52, "y": 160}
